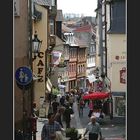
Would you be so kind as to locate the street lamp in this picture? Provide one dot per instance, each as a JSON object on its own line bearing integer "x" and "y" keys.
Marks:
{"x": 36, "y": 45}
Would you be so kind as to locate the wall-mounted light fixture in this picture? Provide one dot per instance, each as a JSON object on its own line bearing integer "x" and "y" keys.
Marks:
{"x": 36, "y": 45}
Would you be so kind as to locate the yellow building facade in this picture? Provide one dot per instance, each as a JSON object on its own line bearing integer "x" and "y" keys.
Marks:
{"x": 39, "y": 62}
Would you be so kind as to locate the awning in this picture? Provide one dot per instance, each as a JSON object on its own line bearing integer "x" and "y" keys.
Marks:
{"x": 91, "y": 78}
{"x": 96, "y": 95}
{"x": 48, "y": 85}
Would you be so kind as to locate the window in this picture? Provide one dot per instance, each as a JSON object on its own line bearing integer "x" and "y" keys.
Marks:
{"x": 117, "y": 13}
{"x": 78, "y": 69}
{"x": 83, "y": 68}
{"x": 72, "y": 68}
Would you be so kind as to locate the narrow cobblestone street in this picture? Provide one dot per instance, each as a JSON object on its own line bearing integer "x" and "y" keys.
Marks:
{"x": 110, "y": 130}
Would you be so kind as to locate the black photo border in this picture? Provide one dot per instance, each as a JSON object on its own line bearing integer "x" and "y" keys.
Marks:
{"x": 133, "y": 69}
{"x": 6, "y": 78}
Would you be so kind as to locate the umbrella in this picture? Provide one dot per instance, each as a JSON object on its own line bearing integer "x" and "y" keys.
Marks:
{"x": 96, "y": 95}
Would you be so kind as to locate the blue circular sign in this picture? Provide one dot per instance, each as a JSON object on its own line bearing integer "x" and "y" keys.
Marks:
{"x": 23, "y": 76}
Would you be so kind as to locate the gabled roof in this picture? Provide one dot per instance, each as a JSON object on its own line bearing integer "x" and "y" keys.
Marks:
{"x": 66, "y": 29}
{"x": 43, "y": 2}
{"x": 85, "y": 28}
{"x": 80, "y": 43}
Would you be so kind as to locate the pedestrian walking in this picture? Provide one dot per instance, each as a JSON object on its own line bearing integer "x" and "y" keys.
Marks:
{"x": 90, "y": 108}
{"x": 62, "y": 100}
{"x": 67, "y": 115}
{"x": 71, "y": 100}
{"x": 58, "y": 116}
{"x": 94, "y": 129}
{"x": 55, "y": 105}
{"x": 81, "y": 106}
{"x": 50, "y": 128}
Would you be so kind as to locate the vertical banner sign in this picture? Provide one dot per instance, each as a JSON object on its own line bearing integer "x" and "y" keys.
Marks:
{"x": 123, "y": 75}
{"x": 56, "y": 55}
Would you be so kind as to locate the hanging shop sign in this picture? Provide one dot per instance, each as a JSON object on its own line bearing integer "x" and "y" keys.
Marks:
{"x": 56, "y": 57}
{"x": 123, "y": 75}
{"x": 40, "y": 67}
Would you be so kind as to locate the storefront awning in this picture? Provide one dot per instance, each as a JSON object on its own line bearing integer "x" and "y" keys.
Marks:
{"x": 48, "y": 85}
{"x": 91, "y": 78}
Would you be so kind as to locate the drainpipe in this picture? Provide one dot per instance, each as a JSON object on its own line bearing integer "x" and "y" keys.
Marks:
{"x": 32, "y": 134}
{"x": 30, "y": 45}
{"x": 100, "y": 39}
{"x": 105, "y": 41}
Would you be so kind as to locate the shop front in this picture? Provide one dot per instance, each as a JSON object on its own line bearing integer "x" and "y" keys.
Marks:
{"x": 119, "y": 104}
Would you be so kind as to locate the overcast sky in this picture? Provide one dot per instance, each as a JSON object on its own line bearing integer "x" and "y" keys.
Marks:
{"x": 85, "y": 7}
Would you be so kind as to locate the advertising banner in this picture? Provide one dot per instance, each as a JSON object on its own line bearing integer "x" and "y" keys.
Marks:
{"x": 56, "y": 57}
{"x": 123, "y": 75}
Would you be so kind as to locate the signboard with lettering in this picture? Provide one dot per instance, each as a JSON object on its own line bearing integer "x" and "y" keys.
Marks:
{"x": 40, "y": 66}
{"x": 123, "y": 75}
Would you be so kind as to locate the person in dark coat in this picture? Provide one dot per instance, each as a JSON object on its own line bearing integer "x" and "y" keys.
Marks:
{"x": 55, "y": 105}
{"x": 62, "y": 100}
{"x": 58, "y": 116}
{"x": 67, "y": 115}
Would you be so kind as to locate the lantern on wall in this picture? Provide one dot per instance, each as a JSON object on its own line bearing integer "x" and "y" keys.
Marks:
{"x": 36, "y": 44}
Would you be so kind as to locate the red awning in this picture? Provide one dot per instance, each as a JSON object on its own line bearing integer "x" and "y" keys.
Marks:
{"x": 96, "y": 95}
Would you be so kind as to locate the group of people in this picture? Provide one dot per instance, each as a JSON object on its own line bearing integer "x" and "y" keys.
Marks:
{"x": 51, "y": 127}
{"x": 62, "y": 110}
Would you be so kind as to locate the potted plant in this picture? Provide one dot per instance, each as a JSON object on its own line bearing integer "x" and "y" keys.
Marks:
{"x": 72, "y": 133}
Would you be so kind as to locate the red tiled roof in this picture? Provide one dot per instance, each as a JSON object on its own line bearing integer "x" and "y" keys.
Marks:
{"x": 86, "y": 28}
